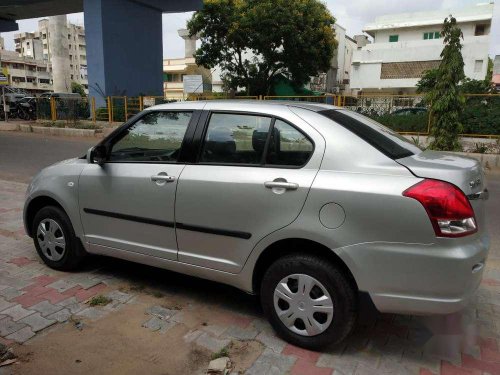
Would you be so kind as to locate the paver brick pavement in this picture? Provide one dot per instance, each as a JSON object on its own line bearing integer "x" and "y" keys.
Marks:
{"x": 34, "y": 297}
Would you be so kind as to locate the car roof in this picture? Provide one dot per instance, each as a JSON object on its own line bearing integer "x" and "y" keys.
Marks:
{"x": 316, "y": 107}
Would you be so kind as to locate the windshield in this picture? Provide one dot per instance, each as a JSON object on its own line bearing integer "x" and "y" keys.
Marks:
{"x": 379, "y": 136}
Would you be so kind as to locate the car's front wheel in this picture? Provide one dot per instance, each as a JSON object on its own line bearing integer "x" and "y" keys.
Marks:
{"x": 309, "y": 301}
{"x": 55, "y": 240}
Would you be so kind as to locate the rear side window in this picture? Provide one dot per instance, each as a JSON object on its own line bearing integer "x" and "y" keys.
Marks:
{"x": 382, "y": 138}
{"x": 254, "y": 140}
{"x": 288, "y": 146}
{"x": 235, "y": 139}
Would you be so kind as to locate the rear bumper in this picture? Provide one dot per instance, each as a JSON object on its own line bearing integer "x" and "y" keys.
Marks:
{"x": 439, "y": 278}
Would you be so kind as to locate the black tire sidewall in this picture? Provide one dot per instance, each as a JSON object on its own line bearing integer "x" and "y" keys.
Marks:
{"x": 339, "y": 287}
{"x": 72, "y": 254}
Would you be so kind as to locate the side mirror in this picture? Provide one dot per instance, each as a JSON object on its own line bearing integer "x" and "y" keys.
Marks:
{"x": 98, "y": 154}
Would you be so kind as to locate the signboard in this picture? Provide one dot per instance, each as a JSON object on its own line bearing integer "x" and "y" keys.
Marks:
{"x": 193, "y": 84}
{"x": 4, "y": 76}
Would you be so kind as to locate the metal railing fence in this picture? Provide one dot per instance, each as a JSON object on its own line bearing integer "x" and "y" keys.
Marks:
{"x": 406, "y": 114}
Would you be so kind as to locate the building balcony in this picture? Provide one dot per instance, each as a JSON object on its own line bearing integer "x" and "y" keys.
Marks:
{"x": 173, "y": 85}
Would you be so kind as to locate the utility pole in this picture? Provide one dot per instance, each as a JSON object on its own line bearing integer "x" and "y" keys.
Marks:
{"x": 4, "y": 80}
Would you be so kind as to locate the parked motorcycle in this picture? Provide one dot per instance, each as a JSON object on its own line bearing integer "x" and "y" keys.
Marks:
{"x": 26, "y": 108}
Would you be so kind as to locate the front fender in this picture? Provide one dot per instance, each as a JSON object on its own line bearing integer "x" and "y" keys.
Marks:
{"x": 60, "y": 183}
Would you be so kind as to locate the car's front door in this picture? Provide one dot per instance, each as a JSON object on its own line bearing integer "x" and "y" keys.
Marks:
{"x": 252, "y": 178}
{"x": 128, "y": 202}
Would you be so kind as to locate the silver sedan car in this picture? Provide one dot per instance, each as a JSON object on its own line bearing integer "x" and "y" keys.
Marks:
{"x": 307, "y": 205}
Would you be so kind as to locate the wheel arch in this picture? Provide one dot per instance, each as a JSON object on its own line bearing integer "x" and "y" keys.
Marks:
{"x": 288, "y": 246}
{"x": 35, "y": 205}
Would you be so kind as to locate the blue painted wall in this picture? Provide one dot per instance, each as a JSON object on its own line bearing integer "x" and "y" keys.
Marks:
{"x": 124, "y": 48}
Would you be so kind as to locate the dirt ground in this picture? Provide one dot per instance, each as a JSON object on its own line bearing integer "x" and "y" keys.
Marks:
{"x": 118, "y": 344}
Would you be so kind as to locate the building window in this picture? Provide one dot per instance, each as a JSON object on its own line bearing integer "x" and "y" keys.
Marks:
{"x": 393, "y": 38}
{"x": 480, "y": 30}
{"x": 432, "y": 35}
{"x": 478, "y": 66}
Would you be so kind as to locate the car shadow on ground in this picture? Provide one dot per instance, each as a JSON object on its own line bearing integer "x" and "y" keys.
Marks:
{"x": 417, "y": 338}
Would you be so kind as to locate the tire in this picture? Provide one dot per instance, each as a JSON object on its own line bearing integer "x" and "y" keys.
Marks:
{"x": 339, "y": 320}
{"x": 72, "y": 254}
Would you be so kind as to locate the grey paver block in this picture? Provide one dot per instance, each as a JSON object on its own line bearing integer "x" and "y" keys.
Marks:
{"x": 192, "y": 335}
{"x": 10, "y": 292}
{"x": 37, "y": 322}
{"x": 160, "y": 312}
{"x": 17, "y": 312}
{"x": 240, "y": 333}
{"x": 271, "y": 363}
{"x": 22, "y": 335}
{"x": 271, "y": 341}
{"x": 92, "y": 313}
{"x": 4, "y": 304}
{"x": 61, "y": 315}
{"x": 46, "y": 308}
{"x": 214, "y": 329}
{"x": 158, "y": 324}
{"x": 211, "y": 343}
{"x": 390, "y": 366}
{"x": 345, "y": 366}
{"x": 89, "y": 283}
{"x": 178, "y": 317}
{"x": 8, "y": 326}
{"x": 118, "y": 296}
{"x": 262, "y": 325}
{"x": 61, "y": 285}
{"x": 72, "y": 305}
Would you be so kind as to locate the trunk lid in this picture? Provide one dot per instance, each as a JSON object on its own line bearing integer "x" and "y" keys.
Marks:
{"x": 464, "y": 172}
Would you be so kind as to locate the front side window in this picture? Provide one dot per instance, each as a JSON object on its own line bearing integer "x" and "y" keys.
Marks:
{"x": 235, "y": 139}
{"x": 155, "y": 137}
{"x": 288, "y": 146}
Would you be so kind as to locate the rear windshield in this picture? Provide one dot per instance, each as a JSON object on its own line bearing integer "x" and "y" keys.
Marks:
{"x": 382, "y": 138}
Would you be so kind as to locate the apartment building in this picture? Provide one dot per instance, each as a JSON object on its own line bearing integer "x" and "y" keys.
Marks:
{"x": 406, "y": 45}
{"x": 36, "y": 45}
{"x": 25, "y": 73}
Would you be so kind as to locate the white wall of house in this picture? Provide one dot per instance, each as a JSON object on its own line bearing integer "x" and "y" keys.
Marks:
{"x": 412, "y": 47}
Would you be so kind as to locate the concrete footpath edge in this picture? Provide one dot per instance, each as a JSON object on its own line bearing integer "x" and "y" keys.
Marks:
{"x": 50, "y": 130}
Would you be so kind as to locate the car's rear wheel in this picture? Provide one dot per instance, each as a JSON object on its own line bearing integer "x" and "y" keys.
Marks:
{"x": 55, "y": 239}
{"x": 309, "y": 301}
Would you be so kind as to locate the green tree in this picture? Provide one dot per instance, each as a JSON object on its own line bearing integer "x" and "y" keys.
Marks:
{"x": 77, "y": 88}
{"x": 427, "y": 82}
{"x": 255, "y": 41}
{"x": 475, "y": 86}
{"x": 489, "y": 72}
{"x": 446, "y": 100}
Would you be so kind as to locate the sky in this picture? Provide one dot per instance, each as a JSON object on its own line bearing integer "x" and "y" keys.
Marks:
{"x": 351, "y": 14}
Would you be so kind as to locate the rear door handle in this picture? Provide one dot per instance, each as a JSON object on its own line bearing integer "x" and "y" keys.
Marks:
{"x": 162, "y": 178}
{"x": 281, "y": 185}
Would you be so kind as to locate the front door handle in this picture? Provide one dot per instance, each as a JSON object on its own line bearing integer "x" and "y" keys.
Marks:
{"x": 162, "y": 178}
{"x": 279, "y": 184}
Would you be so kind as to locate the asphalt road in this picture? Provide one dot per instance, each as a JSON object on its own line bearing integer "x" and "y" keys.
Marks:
{"x": 23, "y": 154}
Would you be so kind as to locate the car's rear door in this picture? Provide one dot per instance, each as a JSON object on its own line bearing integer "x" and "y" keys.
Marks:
{"x": 128, "y": 202}
{"x": 252, "y": 176}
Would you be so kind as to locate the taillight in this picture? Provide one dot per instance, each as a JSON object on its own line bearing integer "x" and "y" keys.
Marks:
{"x": 447, "y": 206}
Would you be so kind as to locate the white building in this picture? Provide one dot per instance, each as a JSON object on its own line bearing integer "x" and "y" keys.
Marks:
{"x": 25, "y": 73}
{"x": 36, "y": 45}
{"x": 406, "y": 45}
{"x": 337, "y": 78}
